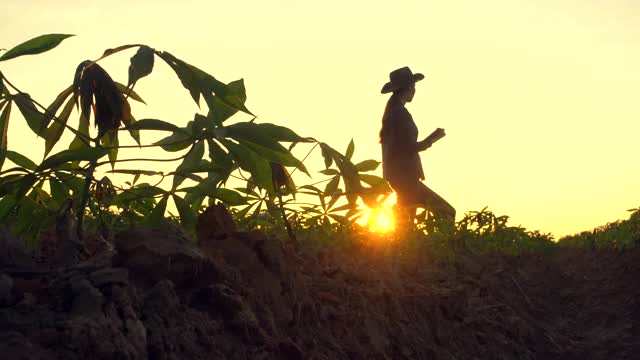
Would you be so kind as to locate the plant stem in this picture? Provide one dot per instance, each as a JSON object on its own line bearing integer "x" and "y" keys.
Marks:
{"x": 85, "y": 193}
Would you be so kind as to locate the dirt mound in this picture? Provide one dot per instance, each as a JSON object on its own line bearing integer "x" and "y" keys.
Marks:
{"x": 248, "y": 296}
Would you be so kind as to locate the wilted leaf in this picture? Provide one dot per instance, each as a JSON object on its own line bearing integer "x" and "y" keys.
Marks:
{"x": 34, "y": 46}
{"x": 141, "y": 64}
{"x": 92, "y": 81}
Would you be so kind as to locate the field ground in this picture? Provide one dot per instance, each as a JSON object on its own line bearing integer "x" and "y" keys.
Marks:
{"x": 248, "y": 296}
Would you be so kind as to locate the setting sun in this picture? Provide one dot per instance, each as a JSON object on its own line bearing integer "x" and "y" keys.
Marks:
{"x": 380, "y": 219}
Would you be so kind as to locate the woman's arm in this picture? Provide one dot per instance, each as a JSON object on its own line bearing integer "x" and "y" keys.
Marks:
{"x": 432, "y": 138}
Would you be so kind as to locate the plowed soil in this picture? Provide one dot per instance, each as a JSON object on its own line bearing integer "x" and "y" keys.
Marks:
{"x": 373, "y": 301}
{"x": 250, "y": 296}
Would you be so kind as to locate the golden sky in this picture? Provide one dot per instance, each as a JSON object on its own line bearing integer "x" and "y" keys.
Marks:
{"x": 540, "y": 99}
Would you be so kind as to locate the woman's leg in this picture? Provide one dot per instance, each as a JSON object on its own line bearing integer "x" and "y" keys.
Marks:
{"x": 436, "y": 204}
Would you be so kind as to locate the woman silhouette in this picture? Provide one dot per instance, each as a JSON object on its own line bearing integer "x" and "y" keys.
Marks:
{"x": 401, "y": 163}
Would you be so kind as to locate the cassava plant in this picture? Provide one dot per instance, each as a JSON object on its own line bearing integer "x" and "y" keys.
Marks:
{"x": 210, "y": 152}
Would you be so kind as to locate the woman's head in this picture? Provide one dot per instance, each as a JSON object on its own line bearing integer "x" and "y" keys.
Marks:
{"x": 402, "y": 83}
{"x": 406, "y": 94}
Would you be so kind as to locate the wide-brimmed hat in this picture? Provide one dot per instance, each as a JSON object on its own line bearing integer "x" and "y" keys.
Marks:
{"x": 401, "y": 78}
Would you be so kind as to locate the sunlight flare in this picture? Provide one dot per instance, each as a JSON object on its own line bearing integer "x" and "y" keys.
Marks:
{"x": 379, "y": 219}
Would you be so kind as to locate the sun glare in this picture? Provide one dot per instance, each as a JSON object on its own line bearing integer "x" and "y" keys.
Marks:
{"x": 380, "y": 219}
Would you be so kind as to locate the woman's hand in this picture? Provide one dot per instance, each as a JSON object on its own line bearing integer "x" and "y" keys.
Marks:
{"x": 429, "y": 140}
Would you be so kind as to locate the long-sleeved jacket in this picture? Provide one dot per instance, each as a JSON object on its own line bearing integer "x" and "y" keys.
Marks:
{"x": 400, "y": 148}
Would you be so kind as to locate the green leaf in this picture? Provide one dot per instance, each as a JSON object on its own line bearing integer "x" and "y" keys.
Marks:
{"x": 192, "y": 78}
{"x": 281, "y": 133}
{"x": 21, "y": 160}
{"x": 281, "y": 157}
{"x": 221, "y": 159}
{"x": 25, "y": 184}
{"x": 350, "y": 149}
{"x": 229, "y": 197}
{"x": 110, "y": 140}
{"x": 187, "y": 215}
{"x": 347, "y": 170}
{"x": 202, "y": 166}
{"x": 109, "y": 52}
{"x": 9, "y": 183}
{"x": 82, "y": 154}
{"x": 141, "y": 64}
{"x": 235, "y": 94}
{"x": 157, "y": 214}
{"x": 144, "y": 190}
{"x": 34, "y": 118}
{"x": 373, "y": 180}
{"x": 219, "y": 110}
{"x": 128, "y": 120}
{"x": 55, "y": 130}
{"x": 247, "y": 159}
{"x": 132, "y": 94}
{"x": 314, "y": 190}
{"x": 250, "y": 131}
{"x": 192, "y": 159}
{"x": 175, "y": 142}
{"x": 137, "y": 172}
{"x": 253, "y": 136}
{"x": 4, "y": 126}
{"x": 75, "y": 184}
{"x": 332, "y": 186}
{"x": 7, "y": 204}
{"x": 59, "y": 191}
{"x": 201, "y": 122}
{"x": 328, "y": 158}
{"x": 34, "y": 46}
{"x": 83, "y": 129}
{"x": 329, "y": 172}
{"x": 155, "y": 124}
{"x": 367, "y": 165}
{"x": 55, "y": 105}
